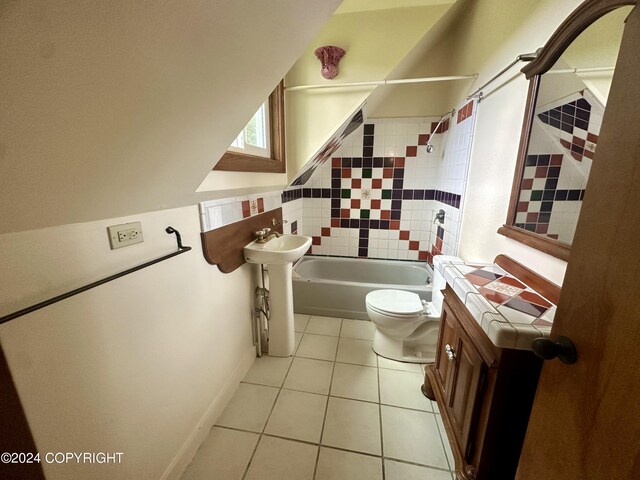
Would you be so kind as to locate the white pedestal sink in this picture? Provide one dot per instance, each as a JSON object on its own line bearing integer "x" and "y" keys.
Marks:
{"x": 279, "y": 254}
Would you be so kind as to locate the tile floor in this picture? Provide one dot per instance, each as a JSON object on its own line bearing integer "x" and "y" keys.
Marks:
{"x": 333, "y": 411}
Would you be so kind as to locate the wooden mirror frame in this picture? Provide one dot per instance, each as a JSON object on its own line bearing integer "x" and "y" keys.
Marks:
{"x": 579, "y": 20}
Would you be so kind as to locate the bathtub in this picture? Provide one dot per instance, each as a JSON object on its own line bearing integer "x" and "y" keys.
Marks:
{"x": 336, "y": 287}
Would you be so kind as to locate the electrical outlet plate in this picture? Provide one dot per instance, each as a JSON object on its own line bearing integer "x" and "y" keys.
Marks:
{"x": 125, "y": 234}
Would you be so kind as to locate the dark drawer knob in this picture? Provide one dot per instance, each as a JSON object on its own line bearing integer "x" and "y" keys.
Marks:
{"x": 562, "y": 347}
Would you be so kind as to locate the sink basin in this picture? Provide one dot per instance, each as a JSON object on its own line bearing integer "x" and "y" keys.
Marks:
{"x": 277, "y": 251}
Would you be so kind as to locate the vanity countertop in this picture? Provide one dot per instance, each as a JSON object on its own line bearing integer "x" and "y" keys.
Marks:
{"x": 510, "y": 312}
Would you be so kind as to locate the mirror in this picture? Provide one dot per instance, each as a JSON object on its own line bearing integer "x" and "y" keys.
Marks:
{"x": 566, "y": 103}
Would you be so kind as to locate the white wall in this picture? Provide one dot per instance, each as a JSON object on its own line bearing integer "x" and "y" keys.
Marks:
{"x": 132, "y": 366}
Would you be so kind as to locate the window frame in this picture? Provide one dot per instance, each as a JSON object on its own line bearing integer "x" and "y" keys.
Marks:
{"x": 242, "y": 162}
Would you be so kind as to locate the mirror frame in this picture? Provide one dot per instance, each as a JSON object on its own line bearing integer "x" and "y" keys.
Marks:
{"x": 581, "y": 18}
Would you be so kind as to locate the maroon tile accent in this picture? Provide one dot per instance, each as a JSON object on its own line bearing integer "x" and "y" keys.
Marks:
{"x": 356, "y": 182}
{"x": 394, "y": 224}
{"x": 523, "y": 206}
{"x": 542, "y": 228}
{"x": 336, "y": 162}
{"x": 556, "y": 160}
{"x": 387, "y": 172}
{"x": 527, "y": 184}
{"x": 246, "y": 209}
{"x": 565, "y": 144}
{"x": 345, "y": 213}
{"x": 534, "y": 298}
{"x": 493, "y": 296}
{"x": 412, "y": 151}
{"x": 335, "y": 222}
{"x": 398, "y": 162}
{"x": 592, "y": 137}
{"x": 375, "y": 204}
{"x": 422, "y": 255}
{"x": 413, "y": 245}
{"x": 423, "y": 139}
{"x": 439, "y": 243}
{"x": 346, "y": 173}
{"x": 261, "y": 205}
{"x": 325, "y": 232}
{"x": 512, "y": 281}
{"x": 538, "y": 322}
{"x": 476, "y": 280}
{"x": 541, "y": 172}
{"x": 434, "y": 125}
{"x": 404, "y": 235}
{"x": 355, "y": 203}
{"x": 315, "y": 241}
{"x": 578, "y": 141}
{"x": 532, "y": 217}
{"x": 385, "y": 214}
{"x": 577, "y": 156}
{"x": 588, "y": 154}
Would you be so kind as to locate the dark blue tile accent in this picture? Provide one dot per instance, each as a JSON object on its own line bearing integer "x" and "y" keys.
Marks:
{"x": 335, "y": 212}
{"x": 544, "y": 217}
{"x": 418, "y": 194}
{"x": 549, "y": 195}
{"x": 378, "y": 162}
{"x": 362, "y": 252}
{"x": 356, "y": 162}
{"x": 346, "y": 162}
{"x": 369, "y": 128}
{"x": 561, "y": 195}
{"x": 395, "y": 214}
{"x": 397, "y": 183}
{"x": 306, "y": 193}
{"x": 407, "y": 194}
{"x": 354, "y": 223}
{"x": 344, "y": 223}
{"x": 554, "y": 172}
{"x": 396, "y": 194}
{"x": 551, "y": 184}
{"x": 326, "y": 193}
{"x": 367, "y": 141}
{"x": 573, "y": 195}
{"x": 582, "y": 194}
{"x": 336, "y": 173}
{"x": 429, "y": 194}
{"x": 336, "y": 183}
{"x": 530, "y": 226}
{"x": 398, "y": 173}
{"x": 335, "y": 192}
{"x": 388, "y": 162}
{"x": 384, "y": 224}
{"x": 294, "y": 227}
{"x": 396, "y": 204}
{"x": 546, "y": 206}
{"x": 367, "y": 162}
{"x": 364, "y": 224}
{"x": 374, "y": 224}
{"x": 367, "y": 151}
{"x": 316, "y": 193}
{"x": 363, "y": 242}
{"x": 531, "y": 161}
{"x": 335, "y": 202}
{"x": 543, "y": 160}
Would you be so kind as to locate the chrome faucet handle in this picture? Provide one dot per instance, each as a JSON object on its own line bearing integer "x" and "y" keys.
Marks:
{"x": 260, "y": 234}
{"x": 275, "y": 222}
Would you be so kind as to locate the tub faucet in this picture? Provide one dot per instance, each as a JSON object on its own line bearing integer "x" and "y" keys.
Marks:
{"x": 264, "y": 235}
{"x": 275, "y": 222}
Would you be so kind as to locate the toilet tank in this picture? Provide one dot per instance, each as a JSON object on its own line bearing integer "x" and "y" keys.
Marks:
{"x": 439, "y": 283}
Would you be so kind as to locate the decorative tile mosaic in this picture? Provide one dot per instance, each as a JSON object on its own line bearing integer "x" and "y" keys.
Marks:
{"x": 509, "y": 311}
{"x": 378, "y": 195}
{"x": 563, "y": 139}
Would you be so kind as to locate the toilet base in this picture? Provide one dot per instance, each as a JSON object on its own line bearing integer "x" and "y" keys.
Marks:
{"x": 403, "y": 350}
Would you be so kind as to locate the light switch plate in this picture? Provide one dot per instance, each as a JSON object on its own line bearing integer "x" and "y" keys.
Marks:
{"x": 125, "y": 234}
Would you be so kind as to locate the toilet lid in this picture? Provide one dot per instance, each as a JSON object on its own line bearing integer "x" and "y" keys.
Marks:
{"x": 395, "y": 302}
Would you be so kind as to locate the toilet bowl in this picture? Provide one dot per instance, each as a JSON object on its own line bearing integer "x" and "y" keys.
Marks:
{"x": 406, "y": 326}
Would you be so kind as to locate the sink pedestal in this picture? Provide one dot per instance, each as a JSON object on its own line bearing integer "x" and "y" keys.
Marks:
{"x": 281, "y": 326}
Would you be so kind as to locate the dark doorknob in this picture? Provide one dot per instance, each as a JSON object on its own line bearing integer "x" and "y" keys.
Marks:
{"x": 562, "y": 347}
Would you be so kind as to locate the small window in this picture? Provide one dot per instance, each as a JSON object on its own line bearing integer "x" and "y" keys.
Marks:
{"x": 260, "y": 145}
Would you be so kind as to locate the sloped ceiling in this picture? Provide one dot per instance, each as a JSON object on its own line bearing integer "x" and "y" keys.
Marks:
{"x": 115, "y": 108}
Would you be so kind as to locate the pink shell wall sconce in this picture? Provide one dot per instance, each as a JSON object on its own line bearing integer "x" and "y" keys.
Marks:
{"x": 329, "y": 57}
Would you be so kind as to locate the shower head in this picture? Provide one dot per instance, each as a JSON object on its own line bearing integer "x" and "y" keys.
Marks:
{"x": 430, "y": 147}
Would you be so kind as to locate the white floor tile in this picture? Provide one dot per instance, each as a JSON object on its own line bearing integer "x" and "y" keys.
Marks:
{"x": 309, "y": 375}
{"x": 268, "y": 371}
{"x": 355, "y": 381}
{"x": 402, "y": 471}
{"x": 359, "y": 352}
{"x": 225, "y": 452}
{"x": 278, "y": 459}
{"x": 360, "y": 329}
{"x": 412, "y": 436}
{"x": 300, "y": 321}
{"x": 297, "y": 415}
{"x": 402, "y": 389}
{"x": 352, "y": 425}
{"x": 393, "y": 365}
{"x": 320, "y": 347}
{"x": 249, "y": 408}
{"x": 339, "y": 465}
{"x": 324, "y": 325}
{"x": 298, "y": 338}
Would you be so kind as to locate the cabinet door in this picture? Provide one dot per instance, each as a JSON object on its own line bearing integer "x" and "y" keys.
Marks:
{"x": 464, "y": 395}
{"x": 448, "y": 338}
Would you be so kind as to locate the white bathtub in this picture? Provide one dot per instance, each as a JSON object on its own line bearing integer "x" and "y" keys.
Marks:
{"x": 336, "y": 287}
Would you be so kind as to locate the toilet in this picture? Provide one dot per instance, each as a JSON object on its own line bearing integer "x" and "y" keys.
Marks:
{"x": 406, "y": 326}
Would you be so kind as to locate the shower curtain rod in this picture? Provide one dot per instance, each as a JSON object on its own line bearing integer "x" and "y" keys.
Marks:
{"x": 582, "y": 70}
{"x": 523, "y": 57}
{"x": 381, "y": 82}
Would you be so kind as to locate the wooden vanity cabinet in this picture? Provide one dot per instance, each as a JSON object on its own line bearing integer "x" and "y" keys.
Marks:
{"x": 484, "y": 394}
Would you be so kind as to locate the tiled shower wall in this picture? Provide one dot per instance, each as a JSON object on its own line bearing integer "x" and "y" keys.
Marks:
{"x": 378, "y": 195}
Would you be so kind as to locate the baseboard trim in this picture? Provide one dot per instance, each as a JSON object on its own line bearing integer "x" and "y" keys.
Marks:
{"x": 188, "y": 450}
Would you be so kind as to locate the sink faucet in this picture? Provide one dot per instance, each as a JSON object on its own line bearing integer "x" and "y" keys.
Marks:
{"x": 265, "y": 235}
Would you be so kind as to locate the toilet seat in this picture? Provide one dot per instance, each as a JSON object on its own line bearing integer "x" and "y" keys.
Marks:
{"x": 395, "y": 303}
